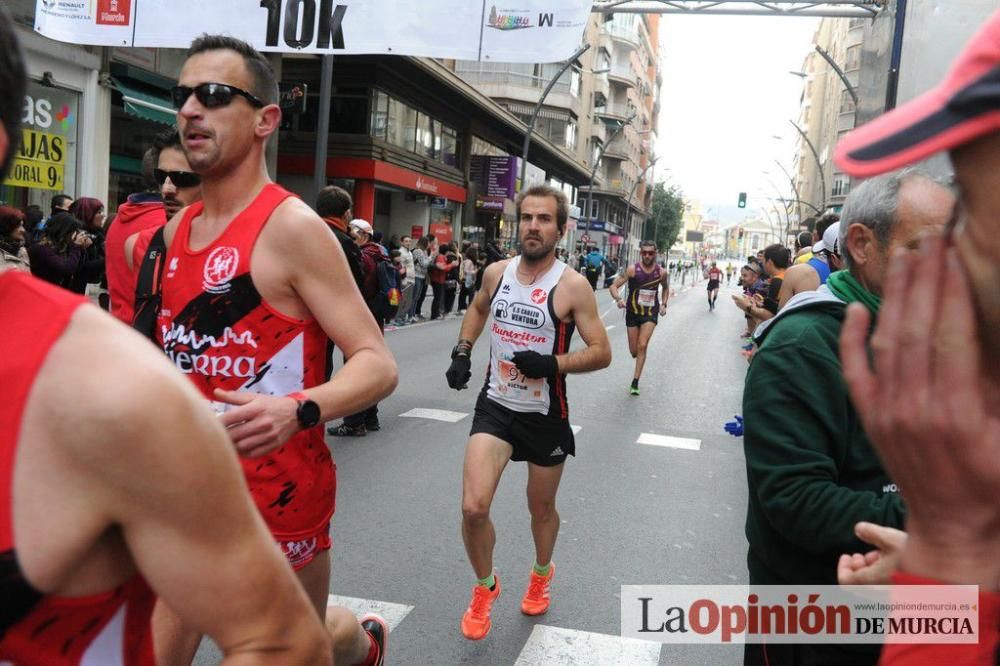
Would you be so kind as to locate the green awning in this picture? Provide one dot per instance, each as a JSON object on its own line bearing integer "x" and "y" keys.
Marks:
{"x": 146, "y": 106}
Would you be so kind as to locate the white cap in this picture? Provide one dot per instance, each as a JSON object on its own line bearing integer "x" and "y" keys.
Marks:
{"x": 362, "y": 225}
{"x": 830, "y": 241}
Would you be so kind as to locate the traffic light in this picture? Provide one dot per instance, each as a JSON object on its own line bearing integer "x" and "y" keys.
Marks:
{"x": 743, "y": 200}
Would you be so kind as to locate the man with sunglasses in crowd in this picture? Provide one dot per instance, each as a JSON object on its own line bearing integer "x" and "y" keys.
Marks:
{"x": 166, "y": 166}
{"x": 254, "y": 283}
{"x": 648, "y": 292}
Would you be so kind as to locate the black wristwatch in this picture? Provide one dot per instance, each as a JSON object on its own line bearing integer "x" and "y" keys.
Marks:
{"x": 308, "y": 411}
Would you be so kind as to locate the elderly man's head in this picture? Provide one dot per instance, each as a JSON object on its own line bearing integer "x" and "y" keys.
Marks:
{"x": 888, "y": 213}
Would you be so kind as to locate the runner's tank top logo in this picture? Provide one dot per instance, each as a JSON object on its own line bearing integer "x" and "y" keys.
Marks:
{"x": 539, "y": 296}
{"x": 220, "y": 268}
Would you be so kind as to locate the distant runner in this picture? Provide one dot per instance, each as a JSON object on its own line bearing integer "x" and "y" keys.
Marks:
{"x": 714, "y": 279}
{"x": 646, "y": 280}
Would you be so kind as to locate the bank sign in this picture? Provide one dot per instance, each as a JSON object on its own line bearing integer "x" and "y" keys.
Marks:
{"x": 48, "y": 140}
{"x": 514, "y": 31}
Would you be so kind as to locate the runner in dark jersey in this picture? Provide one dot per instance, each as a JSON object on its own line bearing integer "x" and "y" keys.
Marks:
{"x": 644, "y": 304}
{"x": 714, "y": 280}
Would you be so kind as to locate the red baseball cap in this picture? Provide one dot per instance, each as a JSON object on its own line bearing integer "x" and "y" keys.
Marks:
{"x": 963, "y": 107}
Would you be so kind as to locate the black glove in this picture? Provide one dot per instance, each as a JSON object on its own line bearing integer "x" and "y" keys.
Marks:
{"x": 535, "y": 365}
{"x": 458, "y": 374}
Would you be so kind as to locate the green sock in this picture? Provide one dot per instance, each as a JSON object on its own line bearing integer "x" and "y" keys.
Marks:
{"x": 540, "y": 570}
{"x": 490, "y": 581}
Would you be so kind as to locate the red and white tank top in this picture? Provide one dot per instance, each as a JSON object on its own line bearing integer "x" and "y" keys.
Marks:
{"x": 218, "y": 330}
{"x": 108, "y": 628}
{"x": 523, "y": 319}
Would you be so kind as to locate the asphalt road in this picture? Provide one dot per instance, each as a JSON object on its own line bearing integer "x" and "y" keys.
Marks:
{"x": 631, "y": 513}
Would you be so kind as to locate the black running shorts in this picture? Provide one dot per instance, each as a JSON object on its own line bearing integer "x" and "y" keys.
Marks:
{"x": 633, "y": 320}
{"x": 713, "y": 285}
{"x": 542, "y": 440}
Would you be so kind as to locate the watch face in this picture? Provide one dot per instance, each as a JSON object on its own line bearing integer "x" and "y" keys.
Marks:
{"x": 308, "y": 414}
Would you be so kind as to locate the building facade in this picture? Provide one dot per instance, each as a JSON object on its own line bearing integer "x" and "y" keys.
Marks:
{"x": 827, "y": 113}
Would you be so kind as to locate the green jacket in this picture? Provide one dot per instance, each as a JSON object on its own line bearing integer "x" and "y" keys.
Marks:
{"x": 812, "y": 472}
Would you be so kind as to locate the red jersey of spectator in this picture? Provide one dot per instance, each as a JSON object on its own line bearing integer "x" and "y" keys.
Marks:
{"x": 140, "y": 212}
{"x": 112, "y": 627}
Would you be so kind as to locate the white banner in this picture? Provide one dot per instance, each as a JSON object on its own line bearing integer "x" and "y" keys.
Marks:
{"x": 494, "y": 30}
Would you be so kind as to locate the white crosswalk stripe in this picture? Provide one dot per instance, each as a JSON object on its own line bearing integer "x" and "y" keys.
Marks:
{"x": 553, "y": 646}
{"x": 435, "y": 414}
{"x": 650, "y": 439}
{"x": 392, "y": 613}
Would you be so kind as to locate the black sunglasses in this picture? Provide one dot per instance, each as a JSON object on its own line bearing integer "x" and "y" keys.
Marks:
{"x": 212, "y": 95}
{"x": 180, "y": 179}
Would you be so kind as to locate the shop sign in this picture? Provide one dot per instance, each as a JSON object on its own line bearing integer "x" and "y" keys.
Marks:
{"x": 46, "y": 157}
{"x": 416, "y": 231}
{"x": 442, "y": 232}
{"x": 496, "y": 176}
{"x": 534, "y": 31}
{"x": 40, "y": 162}
{"x": 489, "y": 203}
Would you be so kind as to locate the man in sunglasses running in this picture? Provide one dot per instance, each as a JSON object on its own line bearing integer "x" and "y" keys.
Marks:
{"x": 177, "y": 186}
{"x": 646, "y": 280}
{"x": 253, "y": 286}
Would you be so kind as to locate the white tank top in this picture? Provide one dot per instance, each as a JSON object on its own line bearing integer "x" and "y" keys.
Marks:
{"x": 523, "y": 319}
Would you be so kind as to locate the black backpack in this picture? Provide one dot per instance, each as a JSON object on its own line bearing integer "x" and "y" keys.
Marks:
{"x": 148, "y": 294}
{"x": 353, "y": 253}
{"x": 385, "y": 304}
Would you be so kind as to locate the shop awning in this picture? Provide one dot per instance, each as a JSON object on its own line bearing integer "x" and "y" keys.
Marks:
{"x": 146, "y": 106}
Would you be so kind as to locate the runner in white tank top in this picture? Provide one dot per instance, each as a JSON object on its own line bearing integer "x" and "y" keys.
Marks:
{"x": 533, "y": 305}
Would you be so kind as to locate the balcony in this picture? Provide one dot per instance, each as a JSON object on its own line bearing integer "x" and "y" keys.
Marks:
{"x": 622, "y": 74}
{"x": 503, "y": 81}
{"x": 621, "y": 112}
{"x": 629, "y": 34}
{"x": 619, "y": 149}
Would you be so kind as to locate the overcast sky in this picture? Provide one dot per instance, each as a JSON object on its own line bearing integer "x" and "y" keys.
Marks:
{"x": 726, "y": 92}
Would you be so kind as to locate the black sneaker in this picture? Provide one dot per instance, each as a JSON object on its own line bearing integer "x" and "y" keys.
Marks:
{"x": 376, "y": 627}
{"x": 373, "y": 426}
{"x": 344, "y": 430}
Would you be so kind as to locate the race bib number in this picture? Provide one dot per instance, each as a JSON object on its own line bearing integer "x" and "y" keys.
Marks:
{"x": 647, "y": 298}
{"x": 515, "y": 385}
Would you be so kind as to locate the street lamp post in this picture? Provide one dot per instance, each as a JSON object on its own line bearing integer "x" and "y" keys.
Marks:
{"x": 819, "y": 165}
{"x": 538, "y": 107}
{"x": 851, "y": 90}
{"x": 628, "y": 202}
{"x": 597, "y": 162}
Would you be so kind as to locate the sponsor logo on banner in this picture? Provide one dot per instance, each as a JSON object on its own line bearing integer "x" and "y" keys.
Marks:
{"x": 220, "y": 268}
{"x": 509, "y": 19}
{"x": 113, "y": 12}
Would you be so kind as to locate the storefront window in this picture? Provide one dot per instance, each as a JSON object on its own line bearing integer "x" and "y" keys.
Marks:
{"x": 449, "y": 146}
{"x": 425, "y": 136}
{"x": 396, "y": 132}
{"x": 349, "y": 115}
{"x": 410, "y": 117}
{"x": 380, "y": 114}
{"x": 45, "y": 164}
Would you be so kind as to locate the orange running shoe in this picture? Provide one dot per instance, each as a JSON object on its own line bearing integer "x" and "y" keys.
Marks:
{"x": 476, "y": 620}
{"x": 536, "y": 600}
